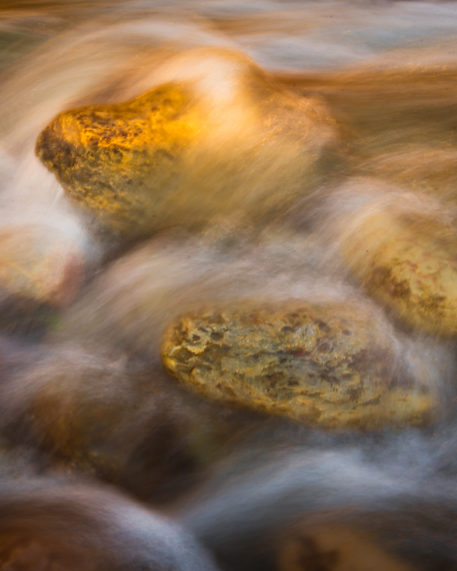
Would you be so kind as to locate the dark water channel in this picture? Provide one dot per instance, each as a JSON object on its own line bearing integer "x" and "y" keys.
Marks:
{"x": 228, "y": 307}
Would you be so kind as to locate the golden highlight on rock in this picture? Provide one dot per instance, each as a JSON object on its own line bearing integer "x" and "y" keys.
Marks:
{"x": 111, "y": 158}
{"x": 191, "y": 149}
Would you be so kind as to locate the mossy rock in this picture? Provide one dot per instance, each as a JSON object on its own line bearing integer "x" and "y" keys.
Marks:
{"x": 327, "y": 365}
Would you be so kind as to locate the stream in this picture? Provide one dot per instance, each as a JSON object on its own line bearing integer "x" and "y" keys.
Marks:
{"x": 228, "y": 285}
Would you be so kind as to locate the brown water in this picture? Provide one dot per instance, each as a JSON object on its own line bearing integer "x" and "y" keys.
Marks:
{"x": 96, "y": 440}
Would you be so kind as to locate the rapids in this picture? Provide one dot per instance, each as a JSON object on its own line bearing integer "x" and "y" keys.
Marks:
{"x": 105, "y": 461}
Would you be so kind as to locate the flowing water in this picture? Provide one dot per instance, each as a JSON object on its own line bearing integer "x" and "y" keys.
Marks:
{"x": 105, "y": 462}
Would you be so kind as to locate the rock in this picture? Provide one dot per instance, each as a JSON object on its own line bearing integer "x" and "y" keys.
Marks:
{"x": 336, "y": 548}
{"x": 403, "y": 249}
{"x": 329, "y": 365}
{"x": 117, "y": 418}
{"x": 97, "y": 413}
{"x": 113, "y": 159}
{"x": 217, "y": 138}
{"x": 39, "y": 265}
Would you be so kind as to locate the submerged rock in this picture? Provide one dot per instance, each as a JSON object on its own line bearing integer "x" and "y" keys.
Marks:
{"x": 64, "y": 525}
{"x": 336, "y": 548}
{"x": 96, "y": 413}
{"x": 114, "y": 417}
{"x": 403, "y": 249}
{"x": 329, "y": 365}
{"x": 216, "y": 139}
{"x": 38, "y": 265}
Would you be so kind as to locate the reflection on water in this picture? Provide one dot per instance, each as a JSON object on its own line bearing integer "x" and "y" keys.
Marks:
{"x": 262, "y": 198}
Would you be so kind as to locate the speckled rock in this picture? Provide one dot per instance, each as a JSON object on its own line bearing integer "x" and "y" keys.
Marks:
{"x": 403, "y": 249}
{"x": 110, "y": 158}
{"x": 219, "y": 140}
{"x": 329, "y": 365}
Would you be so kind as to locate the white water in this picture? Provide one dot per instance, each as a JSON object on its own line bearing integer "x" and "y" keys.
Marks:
{"x": 399, "y": 486}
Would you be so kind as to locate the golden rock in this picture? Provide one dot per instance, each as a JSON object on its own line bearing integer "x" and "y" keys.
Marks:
{"x": 109, "y": 157}
{"x": 405, "y": 255}
{"x": 222, "y": 141}
{"x": 328, "y": 365}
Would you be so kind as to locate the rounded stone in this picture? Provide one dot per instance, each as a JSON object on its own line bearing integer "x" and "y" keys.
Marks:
{"x": 403, "y": 249}
{"x": 220, "y": 140}
{"x": 329, "y": 364}
{"x": 105, "y": 414}
{"x": 98, "y": 413}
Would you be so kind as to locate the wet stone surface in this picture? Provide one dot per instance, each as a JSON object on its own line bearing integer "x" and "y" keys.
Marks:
{"x": 329, "y": 365}
{"x": 188, "y": 151}
{"x": 406, "y": 259}
{"x": 110, "y": 158}
{"x": 287, "y": 333}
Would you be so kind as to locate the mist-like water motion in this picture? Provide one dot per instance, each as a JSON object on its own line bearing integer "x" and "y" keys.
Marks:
{"x": 212, "y": 159}
{"x": 88, "y": 528}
